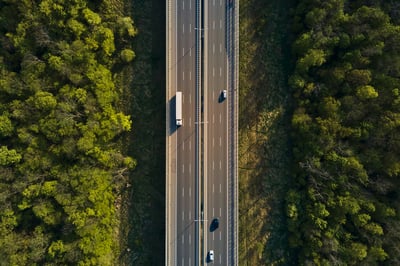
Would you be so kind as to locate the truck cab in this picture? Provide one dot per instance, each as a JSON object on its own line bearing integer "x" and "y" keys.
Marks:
{"x": 178, "y": 108}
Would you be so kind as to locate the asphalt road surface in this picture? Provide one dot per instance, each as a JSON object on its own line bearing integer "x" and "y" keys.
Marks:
{"x": 216, "y": 130}
{"x": 199, "y": 156}
{"x": 186, "y": 183}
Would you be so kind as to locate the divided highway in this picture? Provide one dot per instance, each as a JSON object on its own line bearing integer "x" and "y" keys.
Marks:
{"x": 201, "y": 165}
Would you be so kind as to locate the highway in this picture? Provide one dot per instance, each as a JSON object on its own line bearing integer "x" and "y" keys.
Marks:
{"x": 200, "y": 155}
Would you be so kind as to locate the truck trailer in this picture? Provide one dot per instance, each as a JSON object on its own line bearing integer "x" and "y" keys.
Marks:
{"x": 178, "y": 108}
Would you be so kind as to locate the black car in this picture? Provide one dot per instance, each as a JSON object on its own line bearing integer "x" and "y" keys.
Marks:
{"x": 214, "y": 224}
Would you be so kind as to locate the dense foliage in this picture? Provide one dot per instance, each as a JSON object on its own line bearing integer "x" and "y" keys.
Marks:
{"x": 60, "y": 165}
{"x": 344, "y": 208}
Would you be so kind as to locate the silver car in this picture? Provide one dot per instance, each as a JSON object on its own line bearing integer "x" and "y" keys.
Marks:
{"x": 211, "y": 255}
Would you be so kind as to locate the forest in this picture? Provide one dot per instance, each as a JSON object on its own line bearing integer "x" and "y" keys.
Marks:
{"x": 61, "y": 127}
{"x": 343, "y": 207}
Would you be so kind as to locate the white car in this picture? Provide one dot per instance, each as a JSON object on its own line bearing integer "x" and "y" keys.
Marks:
{"x": 211, "y": 255}
{"x": 224, "y": 94}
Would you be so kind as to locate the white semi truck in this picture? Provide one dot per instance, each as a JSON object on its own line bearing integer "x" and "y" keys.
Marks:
{"x": 178, "y": 108}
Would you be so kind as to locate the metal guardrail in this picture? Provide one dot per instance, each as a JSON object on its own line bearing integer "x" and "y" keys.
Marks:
{"x": 198, "y": 135}
{"x": 233, "y": 59}
{"x": 236, "y": 138}
{"x": 167, "y": 143}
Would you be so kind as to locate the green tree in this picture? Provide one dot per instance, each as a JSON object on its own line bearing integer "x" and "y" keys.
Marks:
{"x": 6, "y": 127}
{"x": 127, "y": 55}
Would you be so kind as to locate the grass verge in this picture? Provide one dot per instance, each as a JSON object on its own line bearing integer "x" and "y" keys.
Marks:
{"x": 142, "y": 232}
{"x": 264, "y": 148}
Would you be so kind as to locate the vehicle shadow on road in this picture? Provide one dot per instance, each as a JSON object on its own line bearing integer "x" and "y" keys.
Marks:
{"x": 172, "y": 116}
